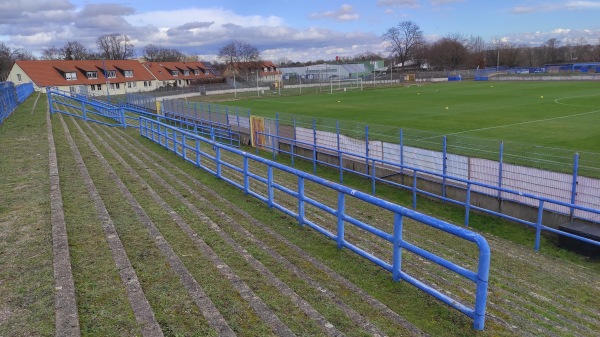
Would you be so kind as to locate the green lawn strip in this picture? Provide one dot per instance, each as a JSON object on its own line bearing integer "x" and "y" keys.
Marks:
{"x": 236, "y": 311}
{"x": 101, "y": 297}
{"x": 172, "y": 306}
{"x": 26, "y": 272}
{"x": 436, "y": 318}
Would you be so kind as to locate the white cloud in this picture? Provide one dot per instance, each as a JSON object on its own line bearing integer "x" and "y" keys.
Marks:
{"x": 398, "y": 3}
{"x": 562, "y": 6}
{"x": 344, "y": 13}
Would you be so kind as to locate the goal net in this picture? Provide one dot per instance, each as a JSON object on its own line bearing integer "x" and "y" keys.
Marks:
{"x": 346, "y": 84}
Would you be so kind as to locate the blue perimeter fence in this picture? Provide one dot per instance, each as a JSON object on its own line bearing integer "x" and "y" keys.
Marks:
{"x": 218, "y": 159}
{"x": 553, "y": 186}
{"x": 11, "y": 96}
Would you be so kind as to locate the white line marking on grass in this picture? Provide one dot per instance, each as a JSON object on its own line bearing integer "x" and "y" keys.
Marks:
{"x": 557, "y": 101}
{"x": 527, "y": 122}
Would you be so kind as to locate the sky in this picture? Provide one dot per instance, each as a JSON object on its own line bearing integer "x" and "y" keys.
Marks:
{"x": 299, "y": 30}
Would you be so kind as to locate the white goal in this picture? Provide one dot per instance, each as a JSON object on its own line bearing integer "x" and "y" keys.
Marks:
{"x": 345, "y": 84}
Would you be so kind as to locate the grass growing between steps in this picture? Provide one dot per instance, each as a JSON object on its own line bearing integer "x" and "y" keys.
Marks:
{"x": 26, "y": 274}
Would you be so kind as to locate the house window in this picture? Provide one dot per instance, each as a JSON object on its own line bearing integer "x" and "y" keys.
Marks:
{"x": 72, "y": 90}
{"x": 71, "y": 76}
{"x": 186, "y": 73}
{"x": 128, "y": 73}
{"x": 91, "y": 74}
{"x": 112, "y": 86}
{"x": 117, "y": 85}
{"x": 206, "y": 72}
{"x": 128, "y": 84}
{"x": 93, "y": 87}
{"x": 175, "y": 72}
{"x": 196, "y": 72}
{"x": 111, "y": 74}
{"x": 99, "y": 86}
{"x": 19, "y": 77}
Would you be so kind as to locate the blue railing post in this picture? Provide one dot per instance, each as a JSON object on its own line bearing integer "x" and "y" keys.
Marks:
{"x": 444, "y": 164}
{"x": 483, "y": 275}
{"x": 367, "y": 148}
{"x": 83, "y": 110}
{"x": 50, "y": 102}
{"x": 414, "y": 189}
{"x": 397, "y": 249}
{"x": 340, "y": 219}
{"x": 218, "y": 160}
{"x": 500, "y": 167}
{"x": 538, "y": 225}
{"x": 198, "y": 157}
{"x": 293, "y": 141}
{"x": 123, "y": 120}
{"x": 468, "y": 204}
{"x": 373, "y": 172}
{"x": 314, "y": 125}
{"x": 276, "y": 136}
{"x": 270, "y": 186}
{"x": 402, "y": 154}
{"x": 574, "y": 184}
{"x": 301, "y": 208}
{"x": 246, "y": 176}
{"x": 183, "y": 143}
{"x": 340, "y": 157}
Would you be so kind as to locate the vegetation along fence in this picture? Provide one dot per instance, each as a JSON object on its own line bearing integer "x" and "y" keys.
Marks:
{"x": 271, "y": 182}
{"x": 11, "y": 96}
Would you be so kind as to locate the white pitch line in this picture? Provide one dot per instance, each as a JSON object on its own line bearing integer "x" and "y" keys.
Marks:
{"x": 557, "y": 101}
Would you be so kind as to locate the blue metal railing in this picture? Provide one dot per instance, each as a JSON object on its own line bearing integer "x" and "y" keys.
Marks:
{"x": 446, "y": 180}
{"x": 202, "y": 152}
{"x": 11, "y": 96}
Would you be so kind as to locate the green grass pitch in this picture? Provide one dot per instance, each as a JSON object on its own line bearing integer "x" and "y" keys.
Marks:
{"x": 554, "y": 114}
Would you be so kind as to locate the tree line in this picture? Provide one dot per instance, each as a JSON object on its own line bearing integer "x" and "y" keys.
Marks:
{"x": 406, "y": 46}
{"x": 457, "y": 51}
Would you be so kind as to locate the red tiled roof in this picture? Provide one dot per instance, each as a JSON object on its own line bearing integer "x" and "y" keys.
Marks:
{"x": 51, "y": 73}
{"x": 162, "y": 70}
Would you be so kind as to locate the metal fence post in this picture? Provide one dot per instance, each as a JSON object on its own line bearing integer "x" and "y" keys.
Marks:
{"x": 270, "y": 186}
{"x": 276, "y": 139}
{"x": 574, "y": 184}
{"x": 340, "y": 159}
{"x": 84, "y": 110}
{"x": 444, "y": 164}
{"x": 414, "y": 189}
{"x": 294, "y": 140}
{"x": 314, "y": 125}
{"x": 301, "y": 201}
{"x": 500, "y": 167}
{"x": 246, "y": 176}
{"x": 367, "y": 148}
{"x": 402, "y": 154}
{"x": 397, "y": 249}
{"x": 468, "y": 205}
{"x": 340, "y": 219}
{"x": 538, "y": 225}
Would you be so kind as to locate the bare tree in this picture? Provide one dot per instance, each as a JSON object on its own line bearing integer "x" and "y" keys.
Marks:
{"x": 154, "y": 53}
{"x": 115, "y": 46}
{"x": 8, "y": 57}
{"x": 448, "y": 53}
{"x": 404, "y": 40}
{"x": 74, "y": 50}
{"x": 235, "y": 52}
{"x": 52, "y": 53}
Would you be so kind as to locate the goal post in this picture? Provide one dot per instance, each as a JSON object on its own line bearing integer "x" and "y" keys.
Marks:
{"x": 336, "y": 84}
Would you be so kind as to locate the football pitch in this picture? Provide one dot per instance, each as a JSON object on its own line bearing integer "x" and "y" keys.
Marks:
{"x": 553, "y": 114}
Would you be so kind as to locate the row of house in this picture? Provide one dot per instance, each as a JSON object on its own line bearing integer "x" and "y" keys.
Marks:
{"x": 117, "y": 77}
